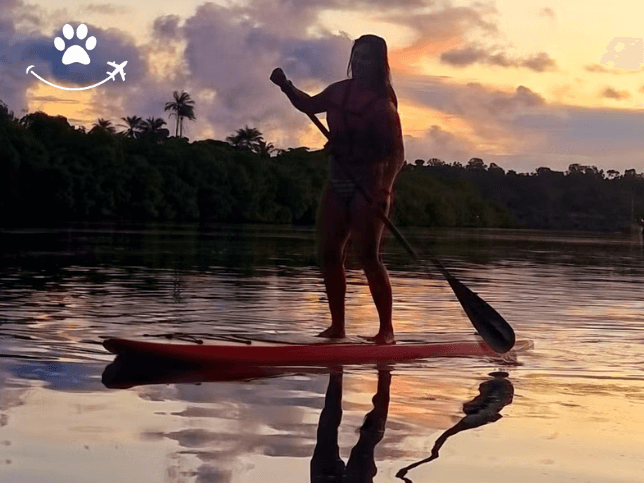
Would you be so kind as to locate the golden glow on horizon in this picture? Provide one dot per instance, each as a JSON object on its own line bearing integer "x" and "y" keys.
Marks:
{"x": 422, "y": 119}
{"x": 312, "y": 137}
{"x": 74, "y": 106}
{"x": 414, "y": 59}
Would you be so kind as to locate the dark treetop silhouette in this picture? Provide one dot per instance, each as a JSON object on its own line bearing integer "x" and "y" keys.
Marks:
{"x": 181, "y": 107}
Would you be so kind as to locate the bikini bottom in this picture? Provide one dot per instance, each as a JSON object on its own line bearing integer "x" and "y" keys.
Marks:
{"x": 343, "y": 186}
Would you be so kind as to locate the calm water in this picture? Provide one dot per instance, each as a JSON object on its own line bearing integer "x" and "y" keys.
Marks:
{"x": 573, "y": 408}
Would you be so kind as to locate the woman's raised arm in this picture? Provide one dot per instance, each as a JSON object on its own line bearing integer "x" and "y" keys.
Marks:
{"x": 301, "y": 100}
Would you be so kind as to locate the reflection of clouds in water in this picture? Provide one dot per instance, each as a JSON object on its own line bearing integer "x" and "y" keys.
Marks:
{"x": 224, "y": 423}
{"x": 211, "y": 474}
{"x": 62, "y": 376}
{"x": 10, "y": 394}
{"x": 224, "y": 446}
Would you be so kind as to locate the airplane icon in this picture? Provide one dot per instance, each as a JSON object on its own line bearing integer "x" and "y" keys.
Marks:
{"x": 118, "y": 69}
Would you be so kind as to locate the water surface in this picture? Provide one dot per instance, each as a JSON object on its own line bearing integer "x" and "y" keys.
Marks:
{"x": 576, "y": 412}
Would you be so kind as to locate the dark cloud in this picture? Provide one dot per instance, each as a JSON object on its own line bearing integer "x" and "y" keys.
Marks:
{"x": 531, "y": 132}
{"x": 105, "y": 8}
{"x": 55, "y": 99}
{"x": 490, "y": 116}
{"x": 473, "y": 54}
{"x": 166, "y": 27}
{"x": 539, "y": 62}
{"x": 611, "y": 93}
{"x": 522, "y": 98}
{"x": 547, "y": 12}
{"x": 449, "y": 21}
{"x": 465, "y": 56}
{"x": 6, "y": 6}
{"x": 112, "y": 46}
{"x": 233, "y": 51}
{"x": 588, "y": 131}
{"x": 600, "y": 69}
{"x": 439, "y": 143}
{"x": 15, "y": 48}
{"x": 472, "y": 100}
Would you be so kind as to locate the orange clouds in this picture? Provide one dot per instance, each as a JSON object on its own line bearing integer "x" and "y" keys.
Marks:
{"x": 409, "y": 59}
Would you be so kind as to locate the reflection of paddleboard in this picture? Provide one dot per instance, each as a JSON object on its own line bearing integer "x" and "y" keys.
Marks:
{"x": 297, "y": 349}
{"x": 132, "y": 370}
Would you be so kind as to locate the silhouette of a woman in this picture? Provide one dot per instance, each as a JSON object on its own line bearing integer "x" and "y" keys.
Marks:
{"x": 366, "y": 139}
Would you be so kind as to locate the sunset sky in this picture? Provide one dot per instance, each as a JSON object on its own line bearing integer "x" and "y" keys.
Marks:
{"x": 521, "y": 84}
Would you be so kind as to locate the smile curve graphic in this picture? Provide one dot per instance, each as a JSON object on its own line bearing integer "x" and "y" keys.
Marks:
{"x": 118, "y": 69}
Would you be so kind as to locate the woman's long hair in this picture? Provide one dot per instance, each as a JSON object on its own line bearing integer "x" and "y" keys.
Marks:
{"x": 378, "y": 47}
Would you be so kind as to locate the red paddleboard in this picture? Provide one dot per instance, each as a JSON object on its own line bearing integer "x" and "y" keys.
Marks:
{"x": 297, "y": 349}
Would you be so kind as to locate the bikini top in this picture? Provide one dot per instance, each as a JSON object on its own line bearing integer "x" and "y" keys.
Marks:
{"x": 343, "y": 142}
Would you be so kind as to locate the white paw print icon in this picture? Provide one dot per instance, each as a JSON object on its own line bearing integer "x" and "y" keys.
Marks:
{"x": 75, "y": 53}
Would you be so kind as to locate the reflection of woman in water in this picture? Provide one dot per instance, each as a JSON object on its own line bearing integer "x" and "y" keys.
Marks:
{"x": 494, "y": 395}
{"x": 366, "y": 139}
{"x": 326, "y": 464}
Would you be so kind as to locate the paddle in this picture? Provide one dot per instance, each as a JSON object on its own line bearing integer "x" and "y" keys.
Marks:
{"x": 498, "y": 334}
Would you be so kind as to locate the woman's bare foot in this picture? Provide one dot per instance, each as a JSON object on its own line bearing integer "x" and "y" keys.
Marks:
{"x": 382, "y": 338}
{"x": 332, "y": 333}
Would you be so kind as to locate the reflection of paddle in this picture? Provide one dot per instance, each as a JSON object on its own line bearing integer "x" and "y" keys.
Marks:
{"x": 494, "y": 395}
{"x": 487, "y": 321}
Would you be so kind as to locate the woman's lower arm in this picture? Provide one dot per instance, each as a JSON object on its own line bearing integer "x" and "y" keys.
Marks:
{"x": 297, "y": 97}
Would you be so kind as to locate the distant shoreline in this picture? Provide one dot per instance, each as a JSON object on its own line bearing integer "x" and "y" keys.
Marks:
{"x": 51, "y": 172}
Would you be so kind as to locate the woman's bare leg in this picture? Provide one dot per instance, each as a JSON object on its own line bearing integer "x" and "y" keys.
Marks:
{"x": 366, "y": 231}
{"x": 333, "y": 233}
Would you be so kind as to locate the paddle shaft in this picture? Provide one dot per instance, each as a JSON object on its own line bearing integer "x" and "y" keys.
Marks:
{"x": 488, "y": 322}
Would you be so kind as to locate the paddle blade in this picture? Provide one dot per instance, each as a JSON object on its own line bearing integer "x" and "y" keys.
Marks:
{"x": 498, "y": 334}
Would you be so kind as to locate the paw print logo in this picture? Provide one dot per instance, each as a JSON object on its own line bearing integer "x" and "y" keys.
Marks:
{"x": 75, "y": 53}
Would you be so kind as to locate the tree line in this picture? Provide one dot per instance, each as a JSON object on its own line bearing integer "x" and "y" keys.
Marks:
{"x": 51, "y": 171}
{"x": 580, "y": 198}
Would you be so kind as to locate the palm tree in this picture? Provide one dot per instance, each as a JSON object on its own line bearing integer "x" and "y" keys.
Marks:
{"x": 103, "y": 125}
{"x": 247, "y": 138}
{"x": 5, "y": 112}
{"x": 265, "y": 149}
{"x": 133, "y": 126}
{"x": 153, "y": 128}
{"x": 183, "y": 106}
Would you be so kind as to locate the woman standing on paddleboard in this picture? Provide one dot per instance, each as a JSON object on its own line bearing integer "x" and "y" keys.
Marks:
{"x": 365, "y": 149}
